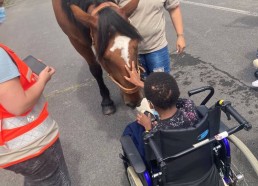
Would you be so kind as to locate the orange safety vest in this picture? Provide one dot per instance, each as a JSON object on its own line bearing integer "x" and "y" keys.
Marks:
{"x": 19, "y": 131}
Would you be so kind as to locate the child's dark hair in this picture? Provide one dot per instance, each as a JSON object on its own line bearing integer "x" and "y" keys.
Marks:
{"x": 161, "y": 89}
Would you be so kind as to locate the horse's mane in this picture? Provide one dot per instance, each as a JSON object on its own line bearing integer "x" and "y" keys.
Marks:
{"x": 84, "y": 5}
{"x": 110, "y": 23}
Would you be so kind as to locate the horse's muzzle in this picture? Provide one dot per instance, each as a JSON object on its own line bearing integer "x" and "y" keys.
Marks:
{"x": 131, "y": 105}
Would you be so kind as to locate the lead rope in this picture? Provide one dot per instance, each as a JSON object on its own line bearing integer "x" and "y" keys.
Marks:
{"x": 126, "y": 90}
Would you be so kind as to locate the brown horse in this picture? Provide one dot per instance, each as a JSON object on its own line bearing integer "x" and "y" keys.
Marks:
{"x": 99, "y": 30}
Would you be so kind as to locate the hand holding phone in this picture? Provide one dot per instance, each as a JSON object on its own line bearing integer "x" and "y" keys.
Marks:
{"x": 35, "y": 65}
{"x": 46, "y": 74}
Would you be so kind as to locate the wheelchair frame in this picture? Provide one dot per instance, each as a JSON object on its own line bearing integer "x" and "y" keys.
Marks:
{"x": 221, "y": 148}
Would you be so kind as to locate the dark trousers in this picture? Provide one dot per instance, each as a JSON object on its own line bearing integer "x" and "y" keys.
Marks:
{"x": 135, "y": 131}
{"x": 47, "y": 169}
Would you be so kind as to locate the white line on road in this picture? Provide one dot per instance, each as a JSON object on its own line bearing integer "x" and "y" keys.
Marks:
{"x": 221, "y": 8}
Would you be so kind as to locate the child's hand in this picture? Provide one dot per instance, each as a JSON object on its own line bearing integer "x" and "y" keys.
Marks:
{"x": 144, "y": 120}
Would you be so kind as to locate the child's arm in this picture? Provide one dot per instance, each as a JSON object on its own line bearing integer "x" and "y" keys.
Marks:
{"x": 144, "y": 120}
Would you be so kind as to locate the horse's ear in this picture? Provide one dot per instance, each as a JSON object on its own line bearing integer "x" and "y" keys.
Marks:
{"x": 129, "y": 8}
{"x": 83, "y": 17}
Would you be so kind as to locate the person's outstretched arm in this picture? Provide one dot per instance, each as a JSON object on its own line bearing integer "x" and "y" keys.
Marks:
{"x": 134, "y": 76}
{"x": 176, "y": 17}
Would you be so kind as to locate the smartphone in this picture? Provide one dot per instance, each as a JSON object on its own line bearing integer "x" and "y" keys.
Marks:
{"x": 35, "y": 65}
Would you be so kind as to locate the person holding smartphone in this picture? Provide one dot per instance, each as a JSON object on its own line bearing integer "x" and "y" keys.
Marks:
{"x": 29, "y": 137}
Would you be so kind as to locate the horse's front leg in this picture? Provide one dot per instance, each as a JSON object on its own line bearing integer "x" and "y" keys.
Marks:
{"x": 107, "y": 104}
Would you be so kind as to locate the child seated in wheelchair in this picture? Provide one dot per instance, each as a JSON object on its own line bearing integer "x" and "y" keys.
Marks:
{"x": 162, "y": 92}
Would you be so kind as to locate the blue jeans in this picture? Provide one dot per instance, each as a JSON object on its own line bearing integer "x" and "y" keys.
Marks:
{"x": 158, "y": 61}
{"x": 47, "y": 169}
{"x": 2, "y": 14}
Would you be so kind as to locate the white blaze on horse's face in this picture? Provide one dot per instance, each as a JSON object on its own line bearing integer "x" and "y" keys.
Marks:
{"x": 122, "y": 43}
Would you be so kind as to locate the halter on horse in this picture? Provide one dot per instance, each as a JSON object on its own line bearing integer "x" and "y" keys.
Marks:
{"x": 103, "y": 27}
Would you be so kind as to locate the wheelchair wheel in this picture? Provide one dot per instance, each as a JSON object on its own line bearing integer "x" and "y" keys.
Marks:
{"x": 133, "y": 178}
{"x": 244, "y": 165}
{"x": 131, "y": 175}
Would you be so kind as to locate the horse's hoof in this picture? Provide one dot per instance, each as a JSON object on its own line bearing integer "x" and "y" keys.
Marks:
{"x": 256, "y": 74}
{"x": 108, "y": 109}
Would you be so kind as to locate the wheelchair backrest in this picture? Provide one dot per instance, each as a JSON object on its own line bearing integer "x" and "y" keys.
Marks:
{"x": 195, "y": 164}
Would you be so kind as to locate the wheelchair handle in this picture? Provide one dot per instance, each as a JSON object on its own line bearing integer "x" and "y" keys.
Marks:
{"x": 202, "y": 89}
{"x": 228, "y": 109}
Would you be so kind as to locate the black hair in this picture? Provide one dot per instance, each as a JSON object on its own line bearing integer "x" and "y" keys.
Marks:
{"x": 110, "y": 23}
{"x": 84, "y": 5}
{"x": 161, "y": 89}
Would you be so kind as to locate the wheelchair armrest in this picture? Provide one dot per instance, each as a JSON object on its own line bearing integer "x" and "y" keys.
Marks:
{"x": 132, "y": 154}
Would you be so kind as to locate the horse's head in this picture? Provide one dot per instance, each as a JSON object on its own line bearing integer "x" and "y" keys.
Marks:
{"x": 115, "y": 41}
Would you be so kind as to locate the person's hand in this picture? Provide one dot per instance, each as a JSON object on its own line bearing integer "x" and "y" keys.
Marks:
{"x": 134, "y": 76}
{"x": 144, "y": 120}
{"x": 180, "y": 44}
{"x": 46, "y": 74}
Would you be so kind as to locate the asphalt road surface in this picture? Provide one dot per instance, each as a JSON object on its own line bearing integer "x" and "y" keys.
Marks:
{"x": 222, "y": 39}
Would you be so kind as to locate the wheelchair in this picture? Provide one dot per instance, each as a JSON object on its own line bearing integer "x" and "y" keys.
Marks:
{"x": 198, "y": 155}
